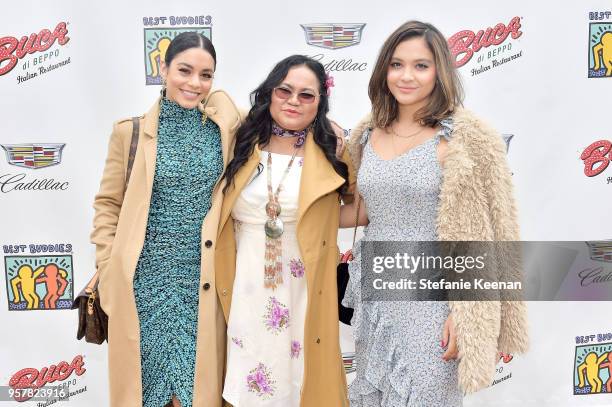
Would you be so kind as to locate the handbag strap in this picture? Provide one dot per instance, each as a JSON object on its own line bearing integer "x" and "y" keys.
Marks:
{"x": 133, "y": 148}
{"x": 93, "y": 283}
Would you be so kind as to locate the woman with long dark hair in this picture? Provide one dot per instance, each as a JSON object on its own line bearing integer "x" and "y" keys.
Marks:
{"x": 276, "y": 254}
{"x": 155, "y": 239}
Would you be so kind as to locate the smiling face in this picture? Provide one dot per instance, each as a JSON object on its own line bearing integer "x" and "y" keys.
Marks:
{"x": 189, "y": 77}
{"x": 411, "y": 76}
{"x": 295, "y": 112}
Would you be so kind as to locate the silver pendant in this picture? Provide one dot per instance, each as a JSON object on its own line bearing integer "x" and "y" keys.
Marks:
{"x": 274, "y": 228}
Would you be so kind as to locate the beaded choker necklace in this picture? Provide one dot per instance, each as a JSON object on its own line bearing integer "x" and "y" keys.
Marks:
{"x": 280, "y": 132}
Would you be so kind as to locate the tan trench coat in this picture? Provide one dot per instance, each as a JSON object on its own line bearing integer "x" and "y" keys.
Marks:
{"x": 317, "y": 230}
{"x": 119, "y": 231}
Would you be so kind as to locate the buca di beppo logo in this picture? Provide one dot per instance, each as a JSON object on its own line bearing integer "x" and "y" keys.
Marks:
{"x": 466, "y": 44}
{"x": 596, "y": 158}
{"x": 32, "y": 378}
{"x": 12, "y": 49}
{"x": 502, "y": 370}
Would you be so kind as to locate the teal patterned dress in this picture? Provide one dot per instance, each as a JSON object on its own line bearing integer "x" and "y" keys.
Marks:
{"x": 167, "y": 279}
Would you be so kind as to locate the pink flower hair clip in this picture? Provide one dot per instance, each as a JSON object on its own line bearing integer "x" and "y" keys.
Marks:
{"x": 329, "y": 83}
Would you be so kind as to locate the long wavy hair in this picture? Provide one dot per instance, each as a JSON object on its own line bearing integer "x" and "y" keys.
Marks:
{"x": 257, "y": 127}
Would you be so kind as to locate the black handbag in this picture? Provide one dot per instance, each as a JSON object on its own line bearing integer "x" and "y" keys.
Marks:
{"x": 93, "y": 321}
{"x": 345, "y": 314}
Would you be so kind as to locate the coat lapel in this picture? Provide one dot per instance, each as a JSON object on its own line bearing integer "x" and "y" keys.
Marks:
{"x": 240, "y": 180}
{"x": 226, "y": 129}
{"x": 318, "y": 177}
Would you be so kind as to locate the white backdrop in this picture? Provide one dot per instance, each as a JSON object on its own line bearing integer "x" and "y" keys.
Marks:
{"x": 543, "y": 94}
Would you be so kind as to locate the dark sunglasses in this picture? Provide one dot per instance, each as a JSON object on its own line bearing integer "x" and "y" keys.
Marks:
{"x": 284, "y": 93}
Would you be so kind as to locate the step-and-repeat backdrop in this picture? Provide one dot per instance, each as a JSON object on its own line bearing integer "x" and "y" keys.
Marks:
{"x": 538, "y": 71}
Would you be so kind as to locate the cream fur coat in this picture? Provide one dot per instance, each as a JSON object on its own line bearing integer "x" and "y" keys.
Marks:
{"x": 476, "y": 204}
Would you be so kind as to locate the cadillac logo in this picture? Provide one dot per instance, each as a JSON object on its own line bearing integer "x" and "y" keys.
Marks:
{"x": 600, "y": 250}
{"x": 333, "y": 36}
{"x": 33, "y": 156}
{"x": 348, "y": 359}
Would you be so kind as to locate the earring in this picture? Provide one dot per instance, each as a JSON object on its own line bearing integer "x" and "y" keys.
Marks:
{"x": 162, "y": 91}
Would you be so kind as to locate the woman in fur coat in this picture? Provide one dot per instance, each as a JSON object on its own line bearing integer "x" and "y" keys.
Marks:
{"x": 428, "y": 170}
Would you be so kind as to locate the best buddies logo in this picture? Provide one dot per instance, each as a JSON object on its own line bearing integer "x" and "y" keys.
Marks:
{"x": 158, "y": 33}
{"x": 593, "y": 364}
{"x": 45, "y": 48}
{"x": 600, "y": 44}
{"x": 487, "y": 49}
{"x": 41, "y": 281}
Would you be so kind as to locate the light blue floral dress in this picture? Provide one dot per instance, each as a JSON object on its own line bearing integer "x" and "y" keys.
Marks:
{"x": 265, "y": 332}
{"x": 397, "y": 344}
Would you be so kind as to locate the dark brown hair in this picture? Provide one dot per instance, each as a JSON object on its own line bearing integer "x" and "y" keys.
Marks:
{"x": 447, "y": 94}
{"x": 187, "y": 40}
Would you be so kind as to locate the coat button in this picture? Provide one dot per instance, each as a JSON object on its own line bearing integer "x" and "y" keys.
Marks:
{"x": 323, "y": 242}
{"x": 208, "y": 244}
{"x": 318, "y": 340}
{"x": 224, "y": 292}
{"x": 206, "y": 286}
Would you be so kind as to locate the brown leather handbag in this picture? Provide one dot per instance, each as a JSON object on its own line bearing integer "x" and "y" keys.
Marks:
{"x": 93, "y": 321}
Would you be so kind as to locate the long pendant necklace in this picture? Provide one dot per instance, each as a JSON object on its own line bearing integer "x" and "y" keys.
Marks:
{"x": 274, "y": 228}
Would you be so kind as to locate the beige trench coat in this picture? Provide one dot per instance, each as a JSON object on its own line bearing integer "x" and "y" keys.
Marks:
{"x": 119, "y": 230}
{"x": 317, "y": 230}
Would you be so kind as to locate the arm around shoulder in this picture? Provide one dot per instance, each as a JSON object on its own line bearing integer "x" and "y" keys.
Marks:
{"x": 219, "y": 99}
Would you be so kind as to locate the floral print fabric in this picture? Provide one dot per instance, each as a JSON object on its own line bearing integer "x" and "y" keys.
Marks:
{"x": 265, "y": 357}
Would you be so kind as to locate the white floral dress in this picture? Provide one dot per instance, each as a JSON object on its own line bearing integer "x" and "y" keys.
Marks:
{"x": 265, "y": 333}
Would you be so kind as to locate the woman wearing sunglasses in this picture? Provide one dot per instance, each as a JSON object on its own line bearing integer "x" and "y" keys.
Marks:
{"x": 276, "y": 253}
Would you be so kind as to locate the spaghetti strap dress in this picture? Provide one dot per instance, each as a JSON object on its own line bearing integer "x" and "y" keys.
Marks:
{"x": 397, "y": 343}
